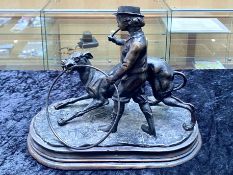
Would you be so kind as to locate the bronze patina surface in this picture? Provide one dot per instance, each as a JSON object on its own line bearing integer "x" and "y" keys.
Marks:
{"x": 129, "y": 147}
{"x": 129, "y": 131}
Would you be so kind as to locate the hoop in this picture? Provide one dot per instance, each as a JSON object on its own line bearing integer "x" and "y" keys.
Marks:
{"x": 49, "y": 121}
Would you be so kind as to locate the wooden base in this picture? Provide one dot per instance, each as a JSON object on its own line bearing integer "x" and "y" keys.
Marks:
{"x": 116, "y": 157}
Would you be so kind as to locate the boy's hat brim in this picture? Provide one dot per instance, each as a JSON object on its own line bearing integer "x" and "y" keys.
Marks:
{"x": 129, "y": 10}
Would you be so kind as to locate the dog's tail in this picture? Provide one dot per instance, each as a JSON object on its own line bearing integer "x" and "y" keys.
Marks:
{"x": 176, "y": 73}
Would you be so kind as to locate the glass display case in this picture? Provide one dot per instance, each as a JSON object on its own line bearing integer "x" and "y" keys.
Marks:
{"x": 73, "y": 21}
{"x": 188, "y": 34}
{"x": 200, "y": 34}
{"x": 20, "y": 33}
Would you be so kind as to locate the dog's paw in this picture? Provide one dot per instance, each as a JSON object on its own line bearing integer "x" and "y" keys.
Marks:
{"x": 189, "y": 126}
{"x": 59, "y": 106}
{"x": 61, "y": 121}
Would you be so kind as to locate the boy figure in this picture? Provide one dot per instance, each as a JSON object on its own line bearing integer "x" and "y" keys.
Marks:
{"x": 131, "y": 74}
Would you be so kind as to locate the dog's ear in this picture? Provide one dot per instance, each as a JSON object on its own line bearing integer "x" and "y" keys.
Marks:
{"x": 88, "y": 55}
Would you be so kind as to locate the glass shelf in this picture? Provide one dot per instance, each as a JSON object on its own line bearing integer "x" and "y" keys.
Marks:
{"x": 200, "y": 33}
{"x": 20, "y": 33}
{"x": 188, "y": 34}
{"x": 101, "y": 5}
{"x": 200, "y": 5}
{"x": 22, "y": 6}
{"x": 72, "y": 18}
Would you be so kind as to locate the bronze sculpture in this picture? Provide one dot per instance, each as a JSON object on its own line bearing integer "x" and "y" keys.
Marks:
{"x": 126, "y": 80}
{"x": 132, "y": 70}
{"x": 130, "y": 76}
{"x": 87, "y": 41}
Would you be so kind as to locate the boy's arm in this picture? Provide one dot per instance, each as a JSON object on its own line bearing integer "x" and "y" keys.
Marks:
{"x": 115, "y": 40}
{"x": 127, "y": 63}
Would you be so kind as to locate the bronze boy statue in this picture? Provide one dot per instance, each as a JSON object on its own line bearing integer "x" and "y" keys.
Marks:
{"x": 129, "y": 76}
{"x": 132, "y": 71}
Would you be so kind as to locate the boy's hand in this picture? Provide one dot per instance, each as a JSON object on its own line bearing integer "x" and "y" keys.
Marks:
{"x": 110, "y": 80}
{"x": 112, "y": 38}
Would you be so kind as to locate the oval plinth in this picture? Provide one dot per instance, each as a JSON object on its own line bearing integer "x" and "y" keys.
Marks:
{"x": 128, "y": 148}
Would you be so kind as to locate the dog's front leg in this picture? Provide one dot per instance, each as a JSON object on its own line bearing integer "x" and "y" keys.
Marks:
{"x": 63, "y": 105}
{"x": 93, "y": 105}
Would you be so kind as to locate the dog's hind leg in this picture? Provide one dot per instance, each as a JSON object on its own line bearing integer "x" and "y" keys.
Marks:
{"x": 154, "y": 102}
{"x": 176, "y": 102}
{"x": 189, "y": 104}
{"x": 63, "y": 105}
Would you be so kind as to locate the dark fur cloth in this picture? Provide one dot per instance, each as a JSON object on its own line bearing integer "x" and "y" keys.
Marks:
{"x": 23, "y": 94}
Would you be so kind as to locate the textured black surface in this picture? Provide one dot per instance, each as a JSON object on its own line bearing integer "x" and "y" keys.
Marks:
{"x": 85, "y": 130}
{"x": 23, "y": 94}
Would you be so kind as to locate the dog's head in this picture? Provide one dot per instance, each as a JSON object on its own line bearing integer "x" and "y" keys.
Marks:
{"x": 76, "y": 58}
